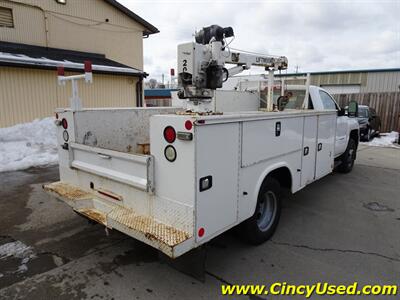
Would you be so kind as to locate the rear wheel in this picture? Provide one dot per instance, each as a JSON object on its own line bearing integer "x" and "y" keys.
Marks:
{"x": 348, "y": 157}
{"x": 261, "y": 226}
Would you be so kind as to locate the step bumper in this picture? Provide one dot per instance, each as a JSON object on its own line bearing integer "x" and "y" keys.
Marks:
{"x": 171, "y": 241}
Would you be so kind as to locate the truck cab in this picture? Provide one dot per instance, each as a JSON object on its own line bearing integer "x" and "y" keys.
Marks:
{"x": 320, "y": 99}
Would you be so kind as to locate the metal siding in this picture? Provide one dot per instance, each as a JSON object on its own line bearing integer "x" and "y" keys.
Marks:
{"x": 363, "y": 79}
{"x": 83, "y": 22}
{"x": 29, "y": 26}
{"x": 370, "y": 82}
{"x": 122, "y": 45}
{"x": 27, "y": 94}
{"x": 315, "y": 80}
{"x": 323, "y": 79}
{"x": 342, "y": 88}
{"x": 336, "y": 78}
{"x": 89, "y": 9}
{"x": 382, "y": 82}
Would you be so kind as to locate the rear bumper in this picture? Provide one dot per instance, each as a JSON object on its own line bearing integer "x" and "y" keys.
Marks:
{"x": 171, "y": 241}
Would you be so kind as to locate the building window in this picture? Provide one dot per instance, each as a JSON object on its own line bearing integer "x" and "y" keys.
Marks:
{"x": 6, "y": 17}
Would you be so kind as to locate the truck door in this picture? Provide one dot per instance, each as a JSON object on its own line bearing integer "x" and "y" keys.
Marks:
{"x": 309, "y": 150}
{"x": 325, "y": 144}
{"x": 341, "y": 123}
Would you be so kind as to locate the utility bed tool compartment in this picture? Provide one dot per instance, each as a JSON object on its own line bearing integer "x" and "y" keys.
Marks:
{"x": 131, "y": 169}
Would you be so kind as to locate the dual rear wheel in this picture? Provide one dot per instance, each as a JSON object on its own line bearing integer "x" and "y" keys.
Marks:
{"x": 261, "y": 226}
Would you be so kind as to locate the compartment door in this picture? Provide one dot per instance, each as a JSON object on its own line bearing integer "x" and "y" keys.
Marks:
{"x": 309, "y": 150}
{"x": 217, "y": 163}
{"x": 325, "y": 145}
{"x": 130, "y": 169}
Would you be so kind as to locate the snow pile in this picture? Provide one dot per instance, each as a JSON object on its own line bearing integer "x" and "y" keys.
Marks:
{"x": 23, "y": 59}
{"x": 19, "y": 250}
{"x": 16, "y": 249}
{"x": 385, "y": 140}
{"x": 28, "y": 145}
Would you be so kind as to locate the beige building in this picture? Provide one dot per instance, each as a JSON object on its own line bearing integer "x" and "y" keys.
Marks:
{"x": 36, "y": 36}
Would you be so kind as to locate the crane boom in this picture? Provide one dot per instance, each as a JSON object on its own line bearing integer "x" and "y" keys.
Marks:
{"x": 201, "y": 64}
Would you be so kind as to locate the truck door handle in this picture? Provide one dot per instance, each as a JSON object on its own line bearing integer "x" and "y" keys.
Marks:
{"x": 306, "y": 151}
{"x": 319, "y": 146}
{"x": 278, "y": 128}
{"x": 105, "y": 156}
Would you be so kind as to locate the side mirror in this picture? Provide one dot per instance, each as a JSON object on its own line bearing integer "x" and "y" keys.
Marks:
{"x": 341, "y": 112}
{"x": 353, "y": 109}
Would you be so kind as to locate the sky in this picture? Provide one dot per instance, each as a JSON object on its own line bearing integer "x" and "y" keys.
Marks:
{"x": 314, "y": 35}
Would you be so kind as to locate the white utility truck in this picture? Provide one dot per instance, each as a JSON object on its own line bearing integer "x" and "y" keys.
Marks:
{"x": 176, "y": 178}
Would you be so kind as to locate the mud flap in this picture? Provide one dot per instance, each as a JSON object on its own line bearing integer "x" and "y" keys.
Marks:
{"x": 192, "y": 263}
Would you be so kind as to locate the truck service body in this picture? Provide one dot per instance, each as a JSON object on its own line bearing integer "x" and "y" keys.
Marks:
{"x": 175, "y": 179}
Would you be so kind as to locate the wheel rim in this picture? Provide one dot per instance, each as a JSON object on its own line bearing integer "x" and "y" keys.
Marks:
{"x": 266, "y": 211}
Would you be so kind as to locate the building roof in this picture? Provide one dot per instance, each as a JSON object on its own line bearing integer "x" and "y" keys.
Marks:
{"x": 341, "y": 72}
{"x": 323, "y": 72}
{"x": 28, "y": 56}
{"x": 158, "y": 93}
{"x": 150, "y": 29}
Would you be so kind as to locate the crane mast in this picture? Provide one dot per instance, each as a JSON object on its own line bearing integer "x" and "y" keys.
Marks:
{"x": 201, "y": 66}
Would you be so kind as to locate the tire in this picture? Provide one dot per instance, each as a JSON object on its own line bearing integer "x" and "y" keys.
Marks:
{"x": 369, "y": 135}
{"x": 348, "y": 157}
{"x": 261, "y": 226}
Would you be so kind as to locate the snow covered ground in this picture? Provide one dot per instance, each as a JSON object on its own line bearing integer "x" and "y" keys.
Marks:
{"x": 19, "y": 250}
{"x": 384, "y": 140}
{"x": 28, "y": 145}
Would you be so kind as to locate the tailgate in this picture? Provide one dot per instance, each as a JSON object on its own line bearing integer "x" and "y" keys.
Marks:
{"x": 131, "y": 169}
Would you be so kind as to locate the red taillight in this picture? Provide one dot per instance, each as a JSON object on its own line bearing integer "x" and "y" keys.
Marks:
{"x": 64, "y": 123}
{"x": 169, "y": 134}
{"x": 201, "y": 232}
{"x": 188, "y": 125}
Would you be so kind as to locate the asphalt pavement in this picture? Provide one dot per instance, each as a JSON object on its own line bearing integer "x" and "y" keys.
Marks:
{"x": 340, "y": 229}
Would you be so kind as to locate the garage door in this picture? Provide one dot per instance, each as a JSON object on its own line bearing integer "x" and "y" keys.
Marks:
{"x": 342, "y": 89}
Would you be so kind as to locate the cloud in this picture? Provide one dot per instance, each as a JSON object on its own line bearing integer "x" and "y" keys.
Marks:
{"x": 314, "y": 35}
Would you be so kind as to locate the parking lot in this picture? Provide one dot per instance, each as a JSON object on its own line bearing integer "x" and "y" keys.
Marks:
{"x": 341, "y": 229}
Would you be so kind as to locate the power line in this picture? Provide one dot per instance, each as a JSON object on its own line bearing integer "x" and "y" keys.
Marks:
{"x": 97, "y": 23}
